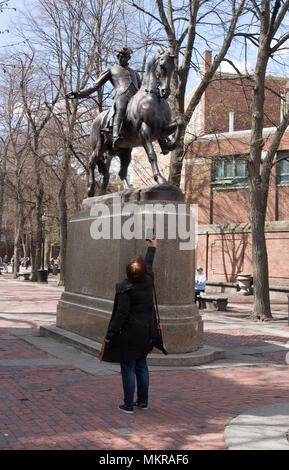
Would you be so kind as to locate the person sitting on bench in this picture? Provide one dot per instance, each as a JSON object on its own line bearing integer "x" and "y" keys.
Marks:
{"x": 200, "y": 282}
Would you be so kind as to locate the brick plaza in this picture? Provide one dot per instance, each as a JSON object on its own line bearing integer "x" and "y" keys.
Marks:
{"x": 53, "y": 396}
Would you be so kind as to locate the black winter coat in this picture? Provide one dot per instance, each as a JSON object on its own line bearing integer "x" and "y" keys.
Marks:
{"x": 133, "y": 324}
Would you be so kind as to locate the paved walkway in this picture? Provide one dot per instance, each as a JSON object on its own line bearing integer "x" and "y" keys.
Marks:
{"x": 53, "y": 396}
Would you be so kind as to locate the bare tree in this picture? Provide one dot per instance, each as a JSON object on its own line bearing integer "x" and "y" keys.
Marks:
{"x": 268, "y": 38}
{"x": 14, "y": 140}
{"x": 263, "y": 25}
{"x": 79, "y": 36}
{"x": 4, "y": 140}
{"x": 33, "y": 95}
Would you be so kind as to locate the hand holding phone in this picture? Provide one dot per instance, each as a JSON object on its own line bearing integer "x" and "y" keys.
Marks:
{"x": 149, "y": 234}
{"x": 150, "y": 237}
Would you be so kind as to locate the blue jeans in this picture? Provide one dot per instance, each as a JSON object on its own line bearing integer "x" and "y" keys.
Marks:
{"x": 129, "y": 370}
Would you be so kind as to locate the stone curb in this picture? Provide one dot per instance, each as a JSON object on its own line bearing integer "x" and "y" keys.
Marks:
{"x": 201, "y": 356}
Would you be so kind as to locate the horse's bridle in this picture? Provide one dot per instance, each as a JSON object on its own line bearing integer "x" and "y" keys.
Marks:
{"x": 156, "y": 91}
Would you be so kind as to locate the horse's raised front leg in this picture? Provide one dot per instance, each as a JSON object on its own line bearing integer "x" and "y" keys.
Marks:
{"x": 177, "y": 127}
{"x": 145, "y": 133}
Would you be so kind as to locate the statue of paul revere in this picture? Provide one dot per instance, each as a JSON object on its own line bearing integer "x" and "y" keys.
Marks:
{"x": 126, "y": 82}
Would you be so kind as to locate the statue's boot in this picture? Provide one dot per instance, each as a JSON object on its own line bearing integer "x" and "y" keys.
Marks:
{"x": 116, "y": 131}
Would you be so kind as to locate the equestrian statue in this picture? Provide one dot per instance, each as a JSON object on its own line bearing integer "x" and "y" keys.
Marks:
{"x": 139, "y": 115}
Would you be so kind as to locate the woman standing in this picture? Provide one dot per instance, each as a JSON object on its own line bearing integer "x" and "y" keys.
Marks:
{"x": 132, "y": 327}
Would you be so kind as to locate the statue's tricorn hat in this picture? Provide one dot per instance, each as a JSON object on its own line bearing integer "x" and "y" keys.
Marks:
{"x": 123, "y": 50}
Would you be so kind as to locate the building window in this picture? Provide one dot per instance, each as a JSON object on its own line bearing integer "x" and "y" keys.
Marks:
{"x": 230, "y": 171}
{"x": 282, "y": 167}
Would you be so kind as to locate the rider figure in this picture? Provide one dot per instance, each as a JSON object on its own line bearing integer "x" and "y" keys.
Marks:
{"x": 126, "y": 82}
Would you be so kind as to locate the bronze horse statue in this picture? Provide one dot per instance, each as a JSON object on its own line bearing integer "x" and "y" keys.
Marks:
{"x": 147, "y": 118}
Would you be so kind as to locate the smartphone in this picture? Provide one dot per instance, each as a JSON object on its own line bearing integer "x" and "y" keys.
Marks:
{"x": 150, "y": 233}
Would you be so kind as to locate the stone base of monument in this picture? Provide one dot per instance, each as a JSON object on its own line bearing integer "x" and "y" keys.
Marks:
{"x": 103, "y": 236}
{"x": 203, "y": 355}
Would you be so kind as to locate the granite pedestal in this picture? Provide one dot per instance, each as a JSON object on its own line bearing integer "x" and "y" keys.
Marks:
{"x": 98, "y": 251}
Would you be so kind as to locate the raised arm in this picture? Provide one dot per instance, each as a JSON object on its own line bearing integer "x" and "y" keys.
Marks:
{"x": 101, "y": 80}
{"x": 150, "y": 254}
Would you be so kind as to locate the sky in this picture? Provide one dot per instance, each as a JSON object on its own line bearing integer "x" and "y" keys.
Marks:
{"x": 236, "y": 52}
{"x": 7, "y": 17}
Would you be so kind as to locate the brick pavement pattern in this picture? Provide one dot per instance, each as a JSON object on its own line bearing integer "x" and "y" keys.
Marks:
{"x": 62, "y": 407}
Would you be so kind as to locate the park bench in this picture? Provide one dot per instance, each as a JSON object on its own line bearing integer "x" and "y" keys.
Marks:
{"x": 25, "y": 275}
{"x": 218, "y": 302}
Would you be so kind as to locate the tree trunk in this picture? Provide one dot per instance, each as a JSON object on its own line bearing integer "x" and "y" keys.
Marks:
{"x": 176, "y": 163}
{"x": 38, "y": 212}
{"x": 47, "y": 250}
{"x": 25, "y": 244}
{"x": 258, "y": 189}
{"x": 17, "y": 239}
{"x": 2, "y": 180}
{"x": 63, "y": 218}
{"x": 32, "y": 254}
{"x": 39, "y": 237}
{"x": 63, "y": 233}
{"x": 262, "y": 308}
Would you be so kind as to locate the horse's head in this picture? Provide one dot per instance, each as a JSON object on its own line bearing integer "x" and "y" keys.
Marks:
{"x": 165, "y": 65}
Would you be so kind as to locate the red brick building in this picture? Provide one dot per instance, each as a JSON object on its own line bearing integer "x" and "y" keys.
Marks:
{"x": 216, "y": 178}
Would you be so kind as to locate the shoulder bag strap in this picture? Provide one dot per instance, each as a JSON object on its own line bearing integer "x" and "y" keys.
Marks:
{"x": 156, "y": 304}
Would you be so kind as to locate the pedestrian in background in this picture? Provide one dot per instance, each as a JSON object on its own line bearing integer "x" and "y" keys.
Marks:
{"x": 5, "y": 263}
{"x": 26, "y": 262}
{"x": 200, "y": 282}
